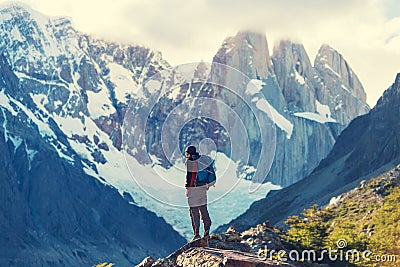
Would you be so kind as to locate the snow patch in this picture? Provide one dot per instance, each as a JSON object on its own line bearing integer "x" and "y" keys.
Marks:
{"x": 174, "y": 93}
{"x": 40, "y": 100}
{"x": 16, "y": 35}
{"x": 57, "y": 103}
{"x": 5, "y": 125}
{"x": 153, "y": 85}
{"x": 81, "y": 149}
{"x": 99, "y": 103}
{"x": 277, "y": 118}
{"x": 5, "y": 102}
{"x": 323, "y": 110}
{"x": 323, "y": 114}
{"x": 339, "y": 106}
{"x": 61, "y": 154}
{"x": 43, "y": 127}
{"x": 30, "y": 153}
{"x": 299, "y": 78}
{"x": 17, "y": 141}
{"x": 122, "y": 79}
{"x": 345, "y": 88}
{"x": 313, "y": 117}
{"x": 329, "y": 68}
{"x": 70, "y": 125}
{"x": 254, "y": 86}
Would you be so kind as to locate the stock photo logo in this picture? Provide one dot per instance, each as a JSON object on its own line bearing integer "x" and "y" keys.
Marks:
{"x": 212, "y": 106}
{"x": 340, "y": 253}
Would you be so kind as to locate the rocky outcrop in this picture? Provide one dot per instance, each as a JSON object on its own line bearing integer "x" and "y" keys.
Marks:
{"x": 217, "y": 257}
{"x": 228, "y": 249}
{"x": 258, "y": 246}
{"x": 329, "y": 63}
{"x": 338, "y": 85}
{"x": 294, "y": 73}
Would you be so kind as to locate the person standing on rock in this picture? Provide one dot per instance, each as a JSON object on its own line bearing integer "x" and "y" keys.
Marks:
{"x": 196, "y": 192}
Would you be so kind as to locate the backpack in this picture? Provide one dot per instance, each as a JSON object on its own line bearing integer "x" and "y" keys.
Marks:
{"x": 206, "y": 171}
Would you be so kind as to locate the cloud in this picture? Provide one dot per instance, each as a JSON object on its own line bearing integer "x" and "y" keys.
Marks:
{"x": 366, "y": 32}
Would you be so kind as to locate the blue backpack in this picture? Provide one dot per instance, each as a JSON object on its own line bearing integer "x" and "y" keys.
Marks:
{"x": 206, "y": 171}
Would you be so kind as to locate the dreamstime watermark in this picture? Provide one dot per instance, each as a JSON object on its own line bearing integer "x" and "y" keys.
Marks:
{"x": 337, "y": 254}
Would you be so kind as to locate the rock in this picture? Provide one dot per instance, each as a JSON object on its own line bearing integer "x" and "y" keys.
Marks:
{"x": 164, "y": 263}
{"x": 215, "y": 243}
{"x": 294, "y": 71}
{"x": 248, "y": 52}
{"x": 343, "y": 91}
{"x": 147, "y": 262}
{"x": 171, "y": 259}
{"x": 212, "y": 257}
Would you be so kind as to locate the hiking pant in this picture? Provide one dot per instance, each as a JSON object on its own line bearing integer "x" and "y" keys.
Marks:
{"x": 195, "y": 213}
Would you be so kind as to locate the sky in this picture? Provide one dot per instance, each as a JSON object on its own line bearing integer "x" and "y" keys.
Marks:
{"x": 365, "y": 32}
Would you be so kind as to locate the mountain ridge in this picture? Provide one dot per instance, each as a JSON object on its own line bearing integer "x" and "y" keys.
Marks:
{"x": 77, "y": 89}
{"x": 345, "y": 166}
{"x": 55, "y": 214}
{"x": 303, "y": 94}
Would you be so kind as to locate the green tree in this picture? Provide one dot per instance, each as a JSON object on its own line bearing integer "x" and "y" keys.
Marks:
{"x": 310, "y": 230}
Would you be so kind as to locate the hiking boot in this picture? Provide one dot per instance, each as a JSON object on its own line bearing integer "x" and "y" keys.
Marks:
{"x": 195, "y": 238}
{"x": 206, "y": 233}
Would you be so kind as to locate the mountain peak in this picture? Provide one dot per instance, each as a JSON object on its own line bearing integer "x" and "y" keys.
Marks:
{"x": 19, "y": 13}
{"x": 391, "y": 97}
{"x": 329, "y": 59}
{"x": 14, "y": 7}
{"x": 248, "y": 52}
{"x": 296, "y": 54}
{"x": 19, "y": 9}
{"x": 293, "y": 69}
{"x": 29, "y": 35}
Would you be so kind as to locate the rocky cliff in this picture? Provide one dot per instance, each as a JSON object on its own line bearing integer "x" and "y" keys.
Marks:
{"x": 317, "y": 101}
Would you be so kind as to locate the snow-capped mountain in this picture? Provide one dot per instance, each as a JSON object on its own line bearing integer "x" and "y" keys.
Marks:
{"x": 312, "y": 104}
{"x": 76, "y": 91}
{"x": 51, "y": 212}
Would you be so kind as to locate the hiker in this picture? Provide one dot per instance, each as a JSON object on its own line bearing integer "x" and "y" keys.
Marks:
{"x": 196, "y": 193}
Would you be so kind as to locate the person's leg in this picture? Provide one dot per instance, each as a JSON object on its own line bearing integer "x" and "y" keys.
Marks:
{"x": 206, "y": 219}
{"x": 195, "y": 217}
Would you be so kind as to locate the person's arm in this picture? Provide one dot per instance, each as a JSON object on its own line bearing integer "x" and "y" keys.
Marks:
{"x": 187, "y": 184}
{"x": 191, "y": 174}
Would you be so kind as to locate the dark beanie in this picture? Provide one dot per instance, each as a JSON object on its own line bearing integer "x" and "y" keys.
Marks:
{"x": 191, "y": 150}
